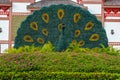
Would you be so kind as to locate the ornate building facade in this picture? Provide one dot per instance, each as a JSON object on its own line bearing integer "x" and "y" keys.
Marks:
{"x": 13, "y": 12}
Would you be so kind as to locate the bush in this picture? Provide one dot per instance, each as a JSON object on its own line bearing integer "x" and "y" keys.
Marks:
{"x": 60, "y": 61}
{"x": 48, "y": 47}
{"x": 37, "y": 75}
{"x": 33, "y": 63}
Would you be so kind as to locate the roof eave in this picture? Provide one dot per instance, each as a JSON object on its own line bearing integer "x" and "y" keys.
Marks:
{"x": 37, "y": 8}
{"x": 6, "y": 4}
{"x": 32, "y": 8}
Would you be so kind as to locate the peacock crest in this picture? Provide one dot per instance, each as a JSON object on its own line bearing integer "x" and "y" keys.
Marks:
{"x": 61, "y": 25}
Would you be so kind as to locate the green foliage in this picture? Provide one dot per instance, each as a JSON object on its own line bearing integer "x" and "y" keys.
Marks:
{"x": 64, "y": 61}
{"x": 11, "y": 51}
{"x": 36, "y": 75}
{"x": 75, "y": 63}
{"x": 110, "y": 50}
{"x": 46, "y": 25}
{"x": 75, "y": 48}
{"x": 48, "y": 47}
{"x": 23, "y": 49}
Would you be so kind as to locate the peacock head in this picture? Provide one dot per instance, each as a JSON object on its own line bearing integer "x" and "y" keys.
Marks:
{"x": 63, "y": 27}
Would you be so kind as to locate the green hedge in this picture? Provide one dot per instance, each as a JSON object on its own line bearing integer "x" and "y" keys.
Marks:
{"x": 37, "y": 75}
{"x": 30, "y": 63}
{"x": 64, "y": 61}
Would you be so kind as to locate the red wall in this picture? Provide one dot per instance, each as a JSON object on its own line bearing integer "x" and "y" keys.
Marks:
{"x": 32, "y": 1}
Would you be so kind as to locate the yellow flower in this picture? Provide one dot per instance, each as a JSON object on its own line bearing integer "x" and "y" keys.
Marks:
{"x": 77, "y": 33}
{"x": 74, "y": 42}
{"x": 59, "y": 27}
{"x": 81, "y": 43}
{"x": 45, "y": 32}
{"x": 40, "y": 40}
{"x": 45, "y": 17}
{"x": 28, "y": 38}
{"x": 34, "y": 25}
{"x": 60, "y": 13}
{"x": 77, "y": 17}
{"x": 94, "y": 37}
{"x": 89, "y": 25}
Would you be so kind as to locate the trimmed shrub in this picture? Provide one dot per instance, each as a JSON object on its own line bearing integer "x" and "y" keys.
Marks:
{"x": 37, "y": 75}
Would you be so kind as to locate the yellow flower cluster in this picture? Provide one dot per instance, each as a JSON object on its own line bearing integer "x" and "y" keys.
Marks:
{"x": 45, "y": 32}
{"x": 40, "y": 40}
{"x": 74, "y": 42}
{"x": 59, "y": 27}
{"x": 81, "y": 43}
{"x": 60, "y": 13}
{"x": 28, "y": 38}
{"x": 34, "y": 26}
{"x": 77, "y": 17}
{"x": 45, "y": 17}
{"x": 94, "y": 37}
{"x": 77, "y": 33}
{"x": 89, "y": 25}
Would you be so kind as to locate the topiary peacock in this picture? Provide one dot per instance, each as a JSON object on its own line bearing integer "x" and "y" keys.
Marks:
{"x": 61, "y": 25}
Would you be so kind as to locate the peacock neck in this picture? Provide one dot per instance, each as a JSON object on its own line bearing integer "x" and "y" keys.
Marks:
{"x": 62, "y": 40}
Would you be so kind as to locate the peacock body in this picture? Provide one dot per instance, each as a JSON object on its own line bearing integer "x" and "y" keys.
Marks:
{"x": 61, "y": 25}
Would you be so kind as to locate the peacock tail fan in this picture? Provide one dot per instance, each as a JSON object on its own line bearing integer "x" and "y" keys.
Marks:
{"x": 61, "y": 25}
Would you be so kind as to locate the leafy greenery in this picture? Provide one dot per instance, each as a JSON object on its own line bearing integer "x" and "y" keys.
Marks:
{"x": 48, "y": 47}
{"x": 37, "y": 75}
{"x": 30, "y": 62}
{"x": 108, "y": 50}
{"x": 60, "y": 65}
{"x": 64, "y": 61}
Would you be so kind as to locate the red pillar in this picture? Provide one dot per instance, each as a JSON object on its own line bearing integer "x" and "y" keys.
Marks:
{"x": 10, "y": 26}
{"x": 102, "y": 13}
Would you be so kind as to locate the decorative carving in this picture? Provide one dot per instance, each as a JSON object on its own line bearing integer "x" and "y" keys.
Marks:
{"x": 5, "y": 8}
{"x": 115, "y": 10}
